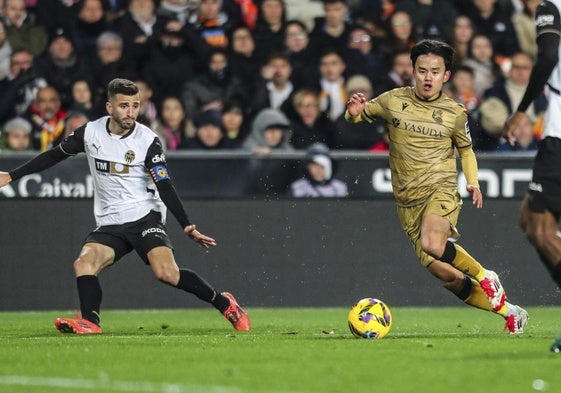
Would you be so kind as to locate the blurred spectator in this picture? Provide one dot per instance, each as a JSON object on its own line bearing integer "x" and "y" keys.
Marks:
{"x": 304, "y": 65}
{"x": 90, "y": 24}
{"x": 525, "y": 27}
{"x": 273, "y": 89}
{"x": 20, "y": 87}
{"x": 5, "y": 52}
{"x": 401, "y": 31}
{"x": 172, "y": 126}
{"x": 115, "y": 9}
{"x": 212, "y": 88}
{"x": 16, "y": 135}
{"x": 363, "y": 135}
{"x": 372, "y": 14}
{"x": 212, "y": 24}
{"x": 318, "y": 180}
{"x": 148, "y": 112}
{"x": 47, "y": 119}
{"x": 242, "y": 56}
{"x": 401, "y": 73}
{"x": 481, "y": 60}
{"x": 136, "y": 27}
{"x": 461, "y": 37}
{"x": 172, "y": 61}
{"x": 21, "y": 28}
{"x": 72, "y": 122}
{"x": 332, "y": 30}
{"x": 333, "y": 97}
{"x": 433, "y": 19}
{"x": 270, "y": 131}
{"x": 57, "y": 14}
{"x": 249, "y": 12}
{"x": 502, "y": 99}
{"x": 61, "y": 64}
{"x": 82, "y": 99}
{"x": 177, "y": 10}
{"x": 109, "y": 63}
{"x": 269, "y": 29}
{"x": 373, "y": 60}
{"x": 208, "y": 133}
{"x": 310, "y": 124}
{"x": 490, "y": 19}
{"x": 525, "y": 138}
{"x": 462, "y": 89}
{"x": 234, "y": 123}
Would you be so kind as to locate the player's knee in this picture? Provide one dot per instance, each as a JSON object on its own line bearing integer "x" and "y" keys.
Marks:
{"x": 84, "y": 266}
{"x": 431, "y": 247}
{"x": 167, "y": 276}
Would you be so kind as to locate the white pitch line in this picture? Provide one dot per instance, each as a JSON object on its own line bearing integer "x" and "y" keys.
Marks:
{"x": 117, "y": 386}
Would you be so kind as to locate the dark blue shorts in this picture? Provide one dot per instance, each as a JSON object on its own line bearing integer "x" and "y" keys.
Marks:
{"x": 142, "y": 236}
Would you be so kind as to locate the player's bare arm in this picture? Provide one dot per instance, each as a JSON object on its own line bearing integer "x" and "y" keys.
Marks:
{"x": 197, "y": 237}
{"x": 5, "y": 179}
{"x": 356, "y": 104}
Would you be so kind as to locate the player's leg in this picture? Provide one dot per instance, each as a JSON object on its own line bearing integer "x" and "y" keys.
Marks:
{"x": 438, "y": 226}
{"x": 166, "y": 270}
{"x": 541, "y": 229}
{"x": 93, "y": 258}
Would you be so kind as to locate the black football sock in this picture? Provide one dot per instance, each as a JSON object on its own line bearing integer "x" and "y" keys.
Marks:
{"x": 191, "y": 282}
{"x": 90, "y": 294}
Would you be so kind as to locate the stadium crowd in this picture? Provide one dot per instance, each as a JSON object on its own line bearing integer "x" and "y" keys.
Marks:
{"x": 239, "y": 74}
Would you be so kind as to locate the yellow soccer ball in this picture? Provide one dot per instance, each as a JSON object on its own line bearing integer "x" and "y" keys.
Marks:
{"x": 370, "y": 318}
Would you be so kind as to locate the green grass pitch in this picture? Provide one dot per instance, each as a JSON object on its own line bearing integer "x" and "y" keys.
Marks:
{"x": 289, "y": 350}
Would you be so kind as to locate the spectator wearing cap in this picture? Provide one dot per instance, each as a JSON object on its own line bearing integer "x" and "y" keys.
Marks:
{"x": 21, "y": 28}
{"x": 363, "y": 135}
{"x": 270, "y": 132}
{"x": 208, "y": 133}
{"x": 318, "y": 180}
{"x": 16, "y": 135}
{"x": 61, "y": 64}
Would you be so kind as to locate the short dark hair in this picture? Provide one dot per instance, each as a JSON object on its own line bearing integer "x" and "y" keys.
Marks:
{"x": 433, "y": 47}
{"x": 121, "y": 86}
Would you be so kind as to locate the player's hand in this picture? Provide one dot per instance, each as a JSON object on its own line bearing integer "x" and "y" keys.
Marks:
{"x": 356, "y": 104}
{"x": 511, "y": 125}
{"x": 198, "y": 237}
{"x": 5, "y": 178}
{"x": 476, "y": 195}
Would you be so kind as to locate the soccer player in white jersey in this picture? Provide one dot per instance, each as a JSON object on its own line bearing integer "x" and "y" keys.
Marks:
{"x": 131, "y": 181}
{"x": 541, "y": 207}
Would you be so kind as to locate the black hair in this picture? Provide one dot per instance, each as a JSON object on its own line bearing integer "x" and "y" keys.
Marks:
{"x": 433, "y": 47}
{"x": 121, "y": 86}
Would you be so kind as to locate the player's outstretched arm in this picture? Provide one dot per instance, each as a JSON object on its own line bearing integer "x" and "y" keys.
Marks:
{"x": 5, "y": 178}
{"x": 197, "y": 237}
